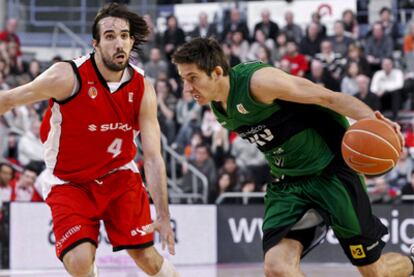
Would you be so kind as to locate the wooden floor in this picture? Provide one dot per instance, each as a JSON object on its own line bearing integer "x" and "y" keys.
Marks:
{"x": 221, "y": 270}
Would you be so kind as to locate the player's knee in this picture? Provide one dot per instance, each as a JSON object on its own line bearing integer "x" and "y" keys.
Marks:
{"x": 78, "y": 264}
{"x": 278, "y": 269}
{"x": 373, "y": 270}
{"x": 148, "y": 259}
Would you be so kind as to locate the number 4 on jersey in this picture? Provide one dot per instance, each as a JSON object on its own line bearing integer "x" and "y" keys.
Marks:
{"x": 115, "y": 147}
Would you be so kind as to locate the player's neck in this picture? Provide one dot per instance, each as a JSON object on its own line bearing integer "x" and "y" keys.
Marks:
{"x": 109, "y": 75}
{"x": 223, "y": 90}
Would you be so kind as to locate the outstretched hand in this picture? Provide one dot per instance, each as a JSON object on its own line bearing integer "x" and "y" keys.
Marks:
{"x": 394, "y": 125}
{"x": 163, "y": 226}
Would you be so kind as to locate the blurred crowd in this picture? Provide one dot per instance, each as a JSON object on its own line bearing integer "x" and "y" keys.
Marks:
{"x": 375, "y": 64}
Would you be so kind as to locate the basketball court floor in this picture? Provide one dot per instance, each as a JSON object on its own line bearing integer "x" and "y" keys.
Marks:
{"x": 221, "y": 270}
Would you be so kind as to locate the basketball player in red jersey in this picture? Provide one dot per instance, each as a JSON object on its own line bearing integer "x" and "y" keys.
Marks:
{"x": 98, "y": 104}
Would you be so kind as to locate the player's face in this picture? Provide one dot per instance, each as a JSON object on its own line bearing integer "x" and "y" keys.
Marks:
{"x": 115, "y": 43}
{"x": 197, "y": 82}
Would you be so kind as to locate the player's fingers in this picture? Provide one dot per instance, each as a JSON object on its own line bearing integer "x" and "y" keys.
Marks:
{"x": 171, "y": 244}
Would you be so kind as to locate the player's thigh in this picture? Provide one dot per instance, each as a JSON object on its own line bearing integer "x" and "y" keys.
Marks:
{"x": 145, "y": 256}
{"x": 80, "y": 258}
{"x": 128, "y": 216}
{"x": 284, "y": 256}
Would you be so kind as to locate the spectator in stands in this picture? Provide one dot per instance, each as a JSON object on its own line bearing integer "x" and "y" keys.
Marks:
{"x": 319, "y": 75}
{"x": 220, "y": 145}
{"x": 173, "y": 36}
{"x": 281, "y": 47}
{"x": 232, "y": 59}
{"x": 34, "y": 69}
{"x": 401, "y": 173}
{"x": 205, "y": 164}
{"x": 239, "y": 46}
{"x": 299, "y": 64}
{"x": 15, "y": 61}
{"x": 23, "y": 187}
{"x": 236, "y": 24}
{"x": 366, "y": 96}
{"x": 379, "y": 191}
{"x": 9, "y": 34}
{"x": 260, "y": 42}
{"x": 291, "y": 29}
{"x": 204, "y": 28}
{"x": 284, "y": 65}
{"x": 390, "y": 27}
{"x": 333, "y": 62}
{"x": 209, "y": 125}
{"x": 340, "y": 42}
{"x": 387, "y": 83}
{"x": 408, "y": 188}
{"x": 251, "y": 160}
{"x": 350, "y": 23}
{"x": 155, "y": 65}
{"x": 310, "y": 44}
{"x": 30, "y": 148}
{"x": 408, "y": 48}
{"x": 153, "y": 39}
{"x": 6, "y": 176}
{"x": 269, "y": 28}
{"x": 378, "y": 46}
{"x": 3, "y": 84}
{"x": 316, "y": 19}
{"x": 349, "y": 84}
{"x": 18, "y": 120}
{"x": 238, "y": 176}
{"x": 167, "y": 103}
{"x": 355, "y": 54}
{"x": 188, "y": 115}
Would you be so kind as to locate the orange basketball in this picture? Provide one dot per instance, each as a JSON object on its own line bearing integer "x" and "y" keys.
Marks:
{"x": 371, "y": 147}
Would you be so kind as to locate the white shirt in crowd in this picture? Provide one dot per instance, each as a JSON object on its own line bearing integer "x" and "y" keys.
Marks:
{"x": 382, "y": 82}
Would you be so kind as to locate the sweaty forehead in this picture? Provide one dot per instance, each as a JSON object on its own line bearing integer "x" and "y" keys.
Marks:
{"x": 113, "y": 23}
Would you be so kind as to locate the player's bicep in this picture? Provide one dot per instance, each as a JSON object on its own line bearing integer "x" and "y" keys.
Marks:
{"x": 148, "y": 122}
{"x": 269, "y": 84}
{"x": 56, "y": 82}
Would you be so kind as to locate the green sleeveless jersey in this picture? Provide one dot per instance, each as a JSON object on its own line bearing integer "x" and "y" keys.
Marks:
{"x": 296, "y": 139}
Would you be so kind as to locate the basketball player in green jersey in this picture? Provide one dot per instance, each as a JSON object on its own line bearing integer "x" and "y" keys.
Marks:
{"x": 298, "y": 125}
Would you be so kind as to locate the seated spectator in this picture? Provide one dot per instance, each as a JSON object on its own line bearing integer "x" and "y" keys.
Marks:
{"x": 204, "y": 28}
{"x": 379, "y": 191}
{"x": 23, "y": 187}
{"x": 6, "y": 176}
{"x": 378, "y": 46}
{"x": 349, "y": 84}
{"x": 167, "y": 103}
{"x": 173, "y": 37}
{"x": 310, "y": 44}
{"x": 205, "y": 164}
{"x": 390, "y": 27}
{"x": 30, "y": 148}
{"x": 258, "y": 44}
{"x": 365, "y": 95}
{"x": 188, "y": 115}
{"x": 281, "y": 47}
{"x": 239, "y": 46}
{"x": 9, "y": 34}
{"x": 220, "y": 145}
{"x": 237, "y": 175}
{"x": 232, "y": 59}
{"x": 340, "y": 42}
{"x": 333, "y": 62}
{"x": 401, "y": 173}
{"x": 292, "y": 30}
{"x": 387, "y": 83}
{"x": 298, "y": 62}
{"x": 408, "y": 188}
{"x": 236, "y": 24}
{"x": 316, "y": 19}
{"x": 284, "y": 65}
{"x": 408, "y": 48}
{"x": 355, "y": 54}
{"x": 269, "y": 28}
{"x": 350, "y": 23}
{"x": 155, "y": 65}
{"x": 319, "y": 75}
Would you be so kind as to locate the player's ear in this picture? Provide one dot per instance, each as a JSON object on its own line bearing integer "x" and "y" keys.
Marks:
{"x": 94, "y": 43}
{"x": 218, "y": 70}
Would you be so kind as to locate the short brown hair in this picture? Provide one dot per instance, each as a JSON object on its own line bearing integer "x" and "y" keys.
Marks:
{"x": 206, "y": 53}
{"x": 138, "y": 28}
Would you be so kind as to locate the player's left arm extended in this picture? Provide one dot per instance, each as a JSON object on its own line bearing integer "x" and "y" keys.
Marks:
{"x": 269, "y": 84}
{"x": 153, "y": 162}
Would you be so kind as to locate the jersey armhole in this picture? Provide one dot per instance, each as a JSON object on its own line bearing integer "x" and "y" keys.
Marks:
{"x": 76, "y": 88}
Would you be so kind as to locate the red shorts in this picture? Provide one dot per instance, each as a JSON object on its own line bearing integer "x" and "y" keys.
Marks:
{"x": 119, "y": 199}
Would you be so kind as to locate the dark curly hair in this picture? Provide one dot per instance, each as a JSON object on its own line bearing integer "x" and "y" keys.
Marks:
{"x": 138, "y": 28}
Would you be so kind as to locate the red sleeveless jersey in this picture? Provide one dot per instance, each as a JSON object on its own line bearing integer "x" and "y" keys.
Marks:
{"x": 93, "y": 132}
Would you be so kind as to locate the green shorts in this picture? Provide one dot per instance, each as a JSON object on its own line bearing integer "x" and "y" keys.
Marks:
{"x": 340, "y": 195}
